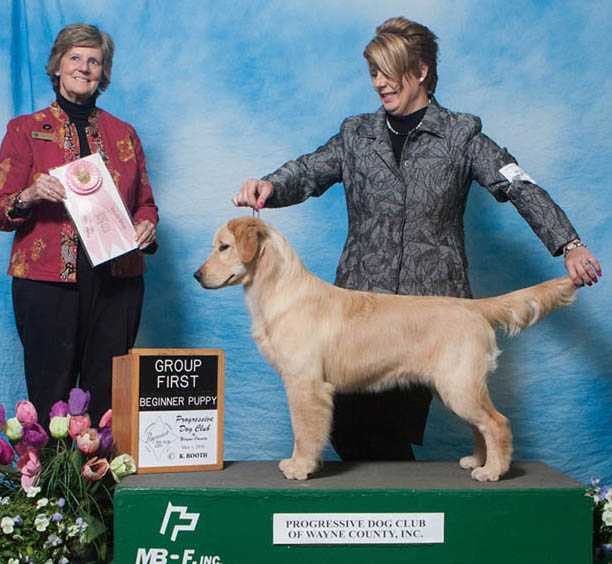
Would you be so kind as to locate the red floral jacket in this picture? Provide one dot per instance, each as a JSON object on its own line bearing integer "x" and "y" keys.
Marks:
{"x": 45, "y": 244}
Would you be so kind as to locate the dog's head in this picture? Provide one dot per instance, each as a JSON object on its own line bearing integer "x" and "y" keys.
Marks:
{"x": 235, "y": 249}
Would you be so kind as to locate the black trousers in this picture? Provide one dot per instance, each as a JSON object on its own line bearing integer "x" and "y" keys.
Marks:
{"x": 70, "y": 333}
{"x": 380, "y": 426}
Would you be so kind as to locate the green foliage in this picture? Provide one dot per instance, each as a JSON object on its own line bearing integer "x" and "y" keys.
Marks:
{"x": 84, "y": 534}
{"x": 61, "y": 476}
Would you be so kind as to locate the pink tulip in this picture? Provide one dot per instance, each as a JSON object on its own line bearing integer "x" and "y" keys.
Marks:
{"x": 106, "y": 419}
{"x": 20, "y": 448}
{"x": 88, "y": 442}
{"x": 29, "y": 466}
{"x": 95, "y": 469}
{"x": 26, "y": 413}
{"x": 6, "y": 453}
{"x": 28, "y": 463}
{"x": 79, "y": 424}
{"x": 28, "y": 481}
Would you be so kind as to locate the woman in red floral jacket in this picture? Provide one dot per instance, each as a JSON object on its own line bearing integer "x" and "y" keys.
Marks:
{"x": 72, "y": 318}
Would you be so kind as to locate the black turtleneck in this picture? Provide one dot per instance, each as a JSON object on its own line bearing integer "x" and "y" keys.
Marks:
{"x": 79, "y": 115}
{"x": 403, "y": 125}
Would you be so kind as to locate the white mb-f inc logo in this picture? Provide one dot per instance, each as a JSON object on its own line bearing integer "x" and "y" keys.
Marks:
{"x": 176, "y": 519}
{"x": 188, "y": 520}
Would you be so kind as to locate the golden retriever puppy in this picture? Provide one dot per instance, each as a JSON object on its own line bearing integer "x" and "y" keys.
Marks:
{"x": 323, "y": 339}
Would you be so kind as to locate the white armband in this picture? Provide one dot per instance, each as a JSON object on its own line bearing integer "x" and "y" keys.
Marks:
{"x": 512, "y": 171}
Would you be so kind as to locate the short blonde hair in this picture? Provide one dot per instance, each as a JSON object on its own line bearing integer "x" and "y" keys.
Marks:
{"x": 400, "y": 47}
{"x": 81, "y": 35}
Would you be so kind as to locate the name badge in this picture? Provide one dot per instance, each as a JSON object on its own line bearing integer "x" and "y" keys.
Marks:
{"x": 43, "y": 136}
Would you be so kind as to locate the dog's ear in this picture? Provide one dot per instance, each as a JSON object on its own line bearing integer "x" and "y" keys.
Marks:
{"x": 248, "y": 232}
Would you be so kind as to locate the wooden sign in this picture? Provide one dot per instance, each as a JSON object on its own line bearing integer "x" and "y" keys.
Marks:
{"x": 168, "y": 408}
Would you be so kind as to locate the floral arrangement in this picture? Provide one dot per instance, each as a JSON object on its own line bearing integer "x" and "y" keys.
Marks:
{"x": 56, "y": 504}
{"x": 602, "y": 531}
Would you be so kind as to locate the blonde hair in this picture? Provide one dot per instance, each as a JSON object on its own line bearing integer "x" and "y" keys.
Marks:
{"x": 400, "y": 47}
{"x": 81, "y": 35}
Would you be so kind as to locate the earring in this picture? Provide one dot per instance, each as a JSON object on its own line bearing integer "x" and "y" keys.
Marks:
{"x": 421, "y": 79}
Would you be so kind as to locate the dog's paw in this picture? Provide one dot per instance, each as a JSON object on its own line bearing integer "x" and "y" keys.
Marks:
{"x": 484, "y": 474}
{"x": 296, "y": 469}
{"x": 471, "y": 462}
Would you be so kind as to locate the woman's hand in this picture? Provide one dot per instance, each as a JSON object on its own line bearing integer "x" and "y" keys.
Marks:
{"x": 253, "y": 193}
{"x": 145, "y": 233}
{"x": 45, "y": 188}
{"x": 582, "y": 266}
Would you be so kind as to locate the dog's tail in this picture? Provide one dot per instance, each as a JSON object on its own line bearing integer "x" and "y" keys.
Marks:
{"x": 518, "y": 310}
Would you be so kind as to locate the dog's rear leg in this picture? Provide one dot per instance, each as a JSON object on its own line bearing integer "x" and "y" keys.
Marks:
{"x": 311, "y": 407}
{"x": 478, "y": 410}
{"x": 495, "y": 430}
{"x": 498, "y": 438}
{"x": 480, "y": 452}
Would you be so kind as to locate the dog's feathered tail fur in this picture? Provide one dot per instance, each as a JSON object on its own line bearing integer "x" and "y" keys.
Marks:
{"x": 520, "y": 309}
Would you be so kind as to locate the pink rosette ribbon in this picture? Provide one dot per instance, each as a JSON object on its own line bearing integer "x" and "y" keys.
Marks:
{"x": 83, "y": 177}
{"x": 104, "y": 226}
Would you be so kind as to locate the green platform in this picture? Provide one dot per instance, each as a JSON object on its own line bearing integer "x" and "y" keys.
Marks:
{"x": 535, "y": 515}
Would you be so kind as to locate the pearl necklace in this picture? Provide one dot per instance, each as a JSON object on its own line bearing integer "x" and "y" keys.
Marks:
{"x": 399, "y": 132}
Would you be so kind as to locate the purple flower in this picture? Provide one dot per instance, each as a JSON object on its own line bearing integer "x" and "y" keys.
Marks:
{"x": 57, "y": 517}
{"x": 59, "y": 409}
{"x": 6, "y": 453}
{"x": 603, "y": 490}
{"x": 34, "y": 436}
{"x": 61, "y": 502}
{"x": 78, "y": 402}
{"x": 106, "y": 442}
{"x": 18, "y": 520}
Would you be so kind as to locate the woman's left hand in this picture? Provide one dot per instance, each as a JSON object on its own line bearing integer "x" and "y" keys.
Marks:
{"x": 145, "y": 233}
{"x": 582, "y": 266}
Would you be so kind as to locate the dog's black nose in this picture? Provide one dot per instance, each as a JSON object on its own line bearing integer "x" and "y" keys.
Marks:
{"x": 197, "y": 275}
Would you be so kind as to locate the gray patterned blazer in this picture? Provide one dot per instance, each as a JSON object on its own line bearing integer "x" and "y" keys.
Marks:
{"x": 405, "y": 223}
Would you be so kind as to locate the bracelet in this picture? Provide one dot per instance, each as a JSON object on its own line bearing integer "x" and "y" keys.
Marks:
{"x": 572, "y": 246}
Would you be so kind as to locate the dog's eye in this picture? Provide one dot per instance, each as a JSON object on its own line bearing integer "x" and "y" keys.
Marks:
{"x": 223, "y": 247}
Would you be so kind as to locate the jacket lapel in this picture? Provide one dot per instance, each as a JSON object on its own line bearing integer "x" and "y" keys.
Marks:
{"x": 376, "y": 130}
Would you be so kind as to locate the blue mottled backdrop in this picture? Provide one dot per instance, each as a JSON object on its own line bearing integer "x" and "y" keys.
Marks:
{"x": 222, "y": 90}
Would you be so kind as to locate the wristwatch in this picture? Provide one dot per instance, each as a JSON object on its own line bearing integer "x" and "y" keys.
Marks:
{"x": 20, "y": 208}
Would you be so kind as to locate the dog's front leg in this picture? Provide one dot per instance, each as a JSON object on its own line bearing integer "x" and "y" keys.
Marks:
{"x": 311, "y": 408}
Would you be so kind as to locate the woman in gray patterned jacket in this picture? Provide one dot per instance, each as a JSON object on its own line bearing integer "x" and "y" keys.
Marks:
{"x": 407, "y": 170}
